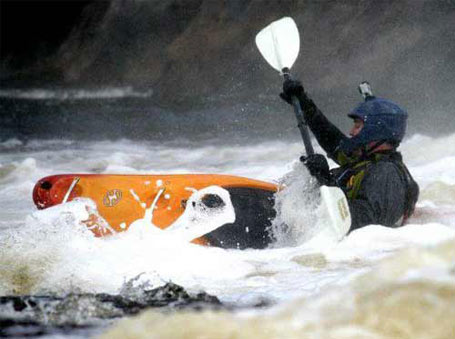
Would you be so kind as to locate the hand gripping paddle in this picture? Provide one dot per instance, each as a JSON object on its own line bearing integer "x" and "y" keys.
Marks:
{"x": 279, "y": 44}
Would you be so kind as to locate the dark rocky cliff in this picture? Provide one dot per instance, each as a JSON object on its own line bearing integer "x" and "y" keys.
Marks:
{"x": 200, "y": 54}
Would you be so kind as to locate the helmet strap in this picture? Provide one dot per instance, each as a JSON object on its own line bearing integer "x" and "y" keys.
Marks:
{"x": 367, "y": 152}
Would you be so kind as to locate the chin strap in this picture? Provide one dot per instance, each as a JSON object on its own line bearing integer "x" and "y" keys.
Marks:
{"x": 367, "y": 152}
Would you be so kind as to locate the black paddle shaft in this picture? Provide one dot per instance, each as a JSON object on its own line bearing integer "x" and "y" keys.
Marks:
{"x": 301, "y": 123}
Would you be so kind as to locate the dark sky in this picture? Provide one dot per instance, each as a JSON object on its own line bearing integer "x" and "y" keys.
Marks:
{"x": 32, "y": 28}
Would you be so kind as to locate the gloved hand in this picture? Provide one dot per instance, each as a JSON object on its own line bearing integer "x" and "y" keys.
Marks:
{"x": 318, "y": 167}
{"x": 291, "y": 88}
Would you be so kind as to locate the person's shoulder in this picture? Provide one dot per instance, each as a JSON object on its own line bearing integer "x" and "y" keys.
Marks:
{"x": 384, "y": 168}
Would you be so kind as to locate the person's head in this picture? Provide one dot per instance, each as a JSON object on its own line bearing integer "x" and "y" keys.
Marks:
{"x": 356, "y": 127}
{"x": 377, "y": 123}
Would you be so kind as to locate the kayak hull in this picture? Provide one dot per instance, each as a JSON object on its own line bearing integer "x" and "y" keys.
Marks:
{"x": 123, "y": 199}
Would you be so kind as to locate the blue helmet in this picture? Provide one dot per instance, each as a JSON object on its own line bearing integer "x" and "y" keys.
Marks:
{"x": 383, "y": 121}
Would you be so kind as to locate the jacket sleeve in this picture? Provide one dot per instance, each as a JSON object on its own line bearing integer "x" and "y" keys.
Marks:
{"x": 327, "y": 134}
{"x": 381, "y": 198}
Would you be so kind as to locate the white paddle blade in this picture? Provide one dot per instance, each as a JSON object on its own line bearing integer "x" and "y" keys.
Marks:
{"x": 336, "y": 206}
{"x": 279, "y": 43}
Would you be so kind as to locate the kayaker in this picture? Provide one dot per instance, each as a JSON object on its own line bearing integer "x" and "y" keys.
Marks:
{"x": 377, "y": 184}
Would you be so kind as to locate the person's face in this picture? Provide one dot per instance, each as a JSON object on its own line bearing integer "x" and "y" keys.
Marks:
{"x": 358, "y": 125}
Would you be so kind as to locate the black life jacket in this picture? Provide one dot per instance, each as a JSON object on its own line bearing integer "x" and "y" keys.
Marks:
{"x": 350, "y": 175}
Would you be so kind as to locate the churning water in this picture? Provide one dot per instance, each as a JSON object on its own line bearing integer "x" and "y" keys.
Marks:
{"x": 377, "y": 282}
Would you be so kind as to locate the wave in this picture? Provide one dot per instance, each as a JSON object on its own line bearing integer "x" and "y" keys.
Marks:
{"x": 399, "y": 298}
{"x": 75, "y": 94}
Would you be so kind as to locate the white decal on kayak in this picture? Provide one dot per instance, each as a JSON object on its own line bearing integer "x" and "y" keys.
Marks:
{"x": 148, "y": 211}
{"x": 136, "y": 197}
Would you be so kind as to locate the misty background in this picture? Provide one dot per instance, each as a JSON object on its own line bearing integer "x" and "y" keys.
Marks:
{"x": 167, "y": 69}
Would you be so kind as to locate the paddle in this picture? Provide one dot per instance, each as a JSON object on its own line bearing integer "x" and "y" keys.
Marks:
{"x": 279, "y": 44}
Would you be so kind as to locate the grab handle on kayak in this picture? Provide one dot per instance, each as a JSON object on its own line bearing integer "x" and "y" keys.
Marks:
{"x": 73, "y": 184}
{"x": 155, "y": 201}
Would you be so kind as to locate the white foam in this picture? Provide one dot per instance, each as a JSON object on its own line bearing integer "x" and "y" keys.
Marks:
{"x": 199, "y": 219}
{"x": 57, "y": 241}
{"x": 296, "y": 206}
{"x": 60, "y": 255}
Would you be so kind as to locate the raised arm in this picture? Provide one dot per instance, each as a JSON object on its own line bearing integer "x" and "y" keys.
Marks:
{"x": 326, "y": 133}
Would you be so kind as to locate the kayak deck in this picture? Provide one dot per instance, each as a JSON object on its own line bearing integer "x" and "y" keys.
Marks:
{"x": 123, "y": 199}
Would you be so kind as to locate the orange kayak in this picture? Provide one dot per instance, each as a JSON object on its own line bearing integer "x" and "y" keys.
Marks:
{"x": 123, "y": 199}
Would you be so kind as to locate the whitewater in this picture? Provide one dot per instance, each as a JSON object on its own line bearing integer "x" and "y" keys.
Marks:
{"x": 377, "y": 282}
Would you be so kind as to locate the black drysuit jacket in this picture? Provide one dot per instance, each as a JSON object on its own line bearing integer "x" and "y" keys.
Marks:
{"x": 379, "y": 188}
